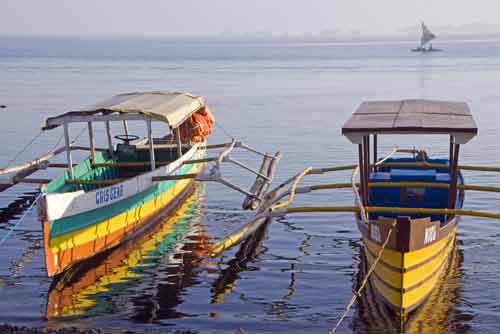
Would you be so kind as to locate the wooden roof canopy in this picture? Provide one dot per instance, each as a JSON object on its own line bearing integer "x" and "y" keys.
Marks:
{"x": 170, "y": 107}
{"x": 411, "y": 117}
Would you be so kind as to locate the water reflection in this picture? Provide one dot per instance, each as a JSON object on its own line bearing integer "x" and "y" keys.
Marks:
{"x": 248, "y": 252}
{"x": 143, "y": 278}
{"x": 439, "y": 314}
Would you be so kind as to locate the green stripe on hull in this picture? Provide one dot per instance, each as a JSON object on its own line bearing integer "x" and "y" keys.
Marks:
{"x": 73, "y": 223}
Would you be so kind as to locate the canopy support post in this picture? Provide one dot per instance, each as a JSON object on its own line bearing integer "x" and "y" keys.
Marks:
{"x": 375, "y": 149}
{"x": 178, "y": 140}
{"x": 366, "y": 144}
{"x": 110, "y": 140}
{"x": 452, "y": 195}
{"x": 452, "y": 141}
{"x": 91, "y": 141}
{"x": 68, "y": 150}
{"x": 361, "y": 174}
{"x": 151, "y": 145}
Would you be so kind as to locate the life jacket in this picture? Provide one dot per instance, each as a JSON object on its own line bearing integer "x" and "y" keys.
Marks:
{"x": 198, "y": 127}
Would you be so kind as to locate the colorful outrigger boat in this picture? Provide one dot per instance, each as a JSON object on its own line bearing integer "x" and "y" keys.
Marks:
{"x": 403, "y": 193}
{"x": 116, "y": 193}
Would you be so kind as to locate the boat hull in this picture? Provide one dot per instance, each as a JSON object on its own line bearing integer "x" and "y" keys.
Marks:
{"x": 104, "y": 227}
{"x": 412, "y": 262}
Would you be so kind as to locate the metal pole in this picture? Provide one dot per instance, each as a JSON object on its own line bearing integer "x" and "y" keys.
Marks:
{"x": 151, "y": 145}
{"x": 452, "y": 195}
{"x": 91, "y": 141}
{"x": 375, "y": 148}
{"x": 110, "y": 140}
{"x": 68, "y": 150}
{"x": 125, "y": 127}
{"x": 179, "y": 142}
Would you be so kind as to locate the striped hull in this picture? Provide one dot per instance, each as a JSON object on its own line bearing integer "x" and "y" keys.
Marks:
{"x": 121, "y": 221}
{"x": 412, "y": 263}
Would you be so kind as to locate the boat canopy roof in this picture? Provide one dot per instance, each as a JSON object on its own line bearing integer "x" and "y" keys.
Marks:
{"x": 170, "y": 107}
{"x": 411, "y": 117}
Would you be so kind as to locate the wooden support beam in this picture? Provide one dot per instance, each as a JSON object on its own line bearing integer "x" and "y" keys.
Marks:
{"x": 224, "y": 145}
{"x": 58, "y": 165}
{"x": 174, "y": 177}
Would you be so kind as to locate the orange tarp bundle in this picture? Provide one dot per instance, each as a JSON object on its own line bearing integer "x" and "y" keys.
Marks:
{"x": 198, "y": 127}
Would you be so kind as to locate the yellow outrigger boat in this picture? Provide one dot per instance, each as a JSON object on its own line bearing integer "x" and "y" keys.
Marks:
{"x": 417, "y": 245}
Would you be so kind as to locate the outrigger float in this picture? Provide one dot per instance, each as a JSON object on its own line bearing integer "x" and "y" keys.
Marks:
{"x": 407, "y": 208}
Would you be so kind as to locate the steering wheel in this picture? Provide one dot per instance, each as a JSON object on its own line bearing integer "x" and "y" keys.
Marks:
{"x": 127, "y": 138}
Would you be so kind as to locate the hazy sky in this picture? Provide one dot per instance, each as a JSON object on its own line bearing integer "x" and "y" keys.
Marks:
{"x": 204, "y": 17}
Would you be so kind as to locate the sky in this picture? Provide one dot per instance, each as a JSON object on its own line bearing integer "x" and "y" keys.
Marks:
{"x": 205, "y": 17}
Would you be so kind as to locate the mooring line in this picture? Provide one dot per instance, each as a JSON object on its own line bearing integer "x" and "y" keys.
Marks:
{"x": 357, "y": 293}
{"x": 9, "y": 232}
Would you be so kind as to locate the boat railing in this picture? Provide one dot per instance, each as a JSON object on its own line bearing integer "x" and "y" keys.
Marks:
{"x": 213, "y": 173}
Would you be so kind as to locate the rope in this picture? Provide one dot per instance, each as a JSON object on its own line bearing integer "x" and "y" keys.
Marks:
{"x": 9, "y": 163}
{"x": 357, "y": 293}
{"x": 293, "y": 190}
{"x": 9, "y": 232}
{"x": 224, "y": 130}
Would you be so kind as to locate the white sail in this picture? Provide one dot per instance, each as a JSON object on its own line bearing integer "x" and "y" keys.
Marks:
{"x": 427, "y": 35}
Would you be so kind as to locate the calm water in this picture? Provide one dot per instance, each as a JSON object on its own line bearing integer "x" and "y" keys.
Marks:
{"x": 299, "y": 273}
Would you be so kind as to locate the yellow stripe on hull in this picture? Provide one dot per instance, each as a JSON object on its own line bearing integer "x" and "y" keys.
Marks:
{"x": 123, "y": 220}
{"x": 407, "y": 284}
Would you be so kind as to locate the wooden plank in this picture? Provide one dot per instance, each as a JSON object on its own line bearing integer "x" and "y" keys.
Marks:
{"x": 174, "y": 177}
{"x": 413, "y": 116}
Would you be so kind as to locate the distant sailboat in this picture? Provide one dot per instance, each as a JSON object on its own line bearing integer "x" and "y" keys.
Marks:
{"x": 427, "y": 36}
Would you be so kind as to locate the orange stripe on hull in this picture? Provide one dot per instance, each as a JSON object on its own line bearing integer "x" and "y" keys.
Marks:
{"x": 56, "y": 263}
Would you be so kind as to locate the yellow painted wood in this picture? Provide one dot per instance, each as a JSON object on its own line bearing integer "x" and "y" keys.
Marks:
{"x": 120, "y": 221}
{"x": 389, "y": 256}
{"x": 421, "y": 255}
{"x": 414, "y": 276}
{"x": 391, "y": 296}
{"x": 388, "y": 275}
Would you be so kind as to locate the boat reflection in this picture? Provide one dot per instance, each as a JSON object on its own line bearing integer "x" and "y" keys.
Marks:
{"x": 145, "y": 277}
{"x": 439, "y": 314}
